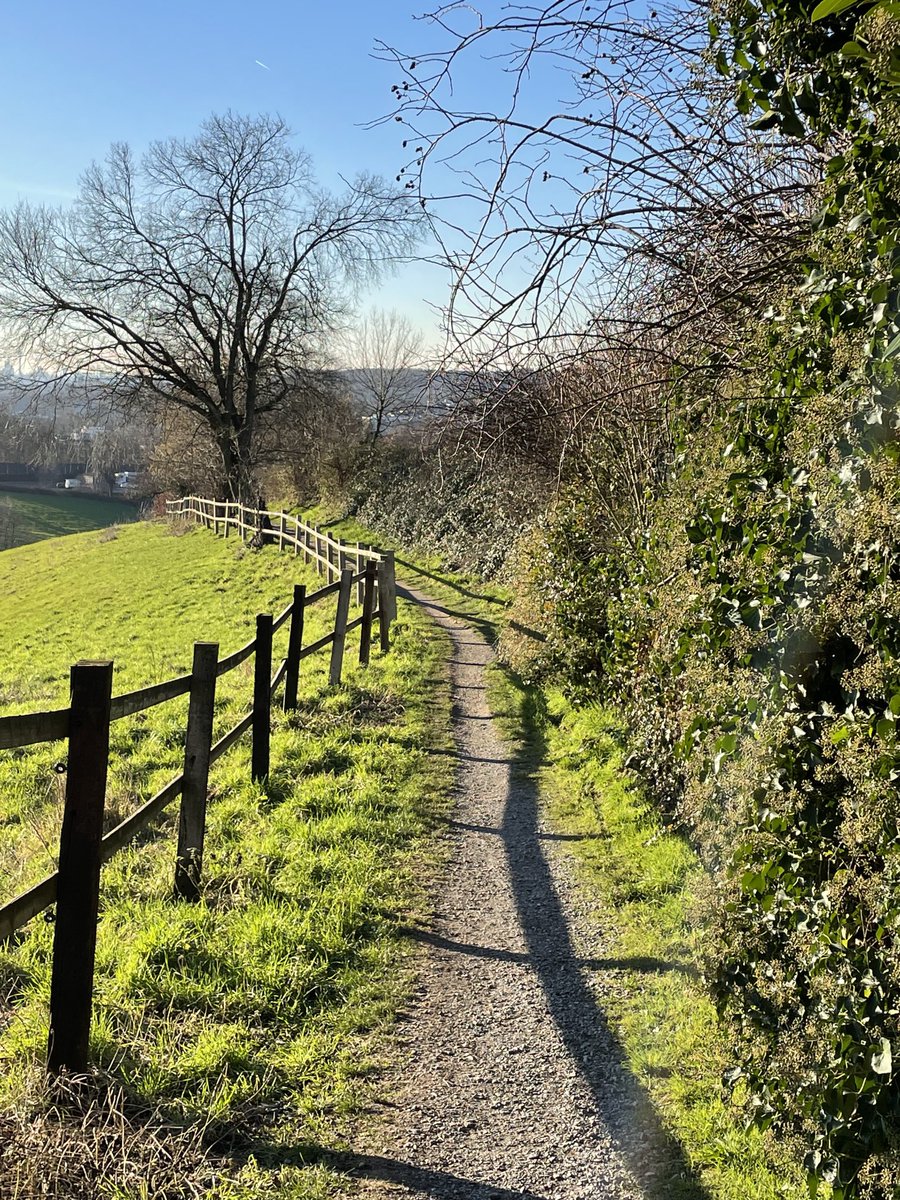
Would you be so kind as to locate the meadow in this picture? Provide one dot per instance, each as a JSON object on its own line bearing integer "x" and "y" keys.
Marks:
{"x": 31, "y": 517}
{"x": 250, "y": 1021}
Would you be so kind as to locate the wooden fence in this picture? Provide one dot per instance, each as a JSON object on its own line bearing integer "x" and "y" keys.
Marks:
{"x": 75, "y": 885}
{"x": 330, "y": 555}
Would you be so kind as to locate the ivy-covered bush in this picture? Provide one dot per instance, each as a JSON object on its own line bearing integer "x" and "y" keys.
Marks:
{"x": 754, "y": 643}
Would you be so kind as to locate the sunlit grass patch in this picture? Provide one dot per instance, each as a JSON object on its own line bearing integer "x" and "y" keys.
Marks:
{"x": 254, "y": 1016}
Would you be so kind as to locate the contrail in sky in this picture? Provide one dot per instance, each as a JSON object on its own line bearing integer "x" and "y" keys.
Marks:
{"x": 263, "y": 65}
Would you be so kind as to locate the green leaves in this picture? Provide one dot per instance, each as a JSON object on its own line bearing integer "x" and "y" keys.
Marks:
{"x": 830, "y": 8}
{"x": 833, "y": 8}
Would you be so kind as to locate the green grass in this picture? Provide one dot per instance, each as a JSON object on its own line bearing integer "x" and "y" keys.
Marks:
{"x": 257, "y": 1015}
{"x": 35, "y": 517}
{"x": 646, "y": 889}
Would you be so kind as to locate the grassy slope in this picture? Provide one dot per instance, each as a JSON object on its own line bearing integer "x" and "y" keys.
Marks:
{"x": 257, "y": 1013}
{"x": 645, "y": 886}
{"x": 36, "y": 517}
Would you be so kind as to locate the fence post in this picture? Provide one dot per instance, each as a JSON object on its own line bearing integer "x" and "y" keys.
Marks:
{"x": 385, "y": 603}
{"x": 392, "y": 583}
{"x": 78, "y": 886}
{"x": 340, "y": 628}
{"x": 295, "y": 643}
{"x": 361, "y": 583}
{"x": 320, "y": 566}
{"x": 368, "y": 607}
{"x": 262, "y": 698}
{"x": 197, "y": 745}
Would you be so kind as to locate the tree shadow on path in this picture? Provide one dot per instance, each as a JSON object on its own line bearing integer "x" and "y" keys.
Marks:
{"x": 422, "y": 1180}
{"x": 655, "y": 1158}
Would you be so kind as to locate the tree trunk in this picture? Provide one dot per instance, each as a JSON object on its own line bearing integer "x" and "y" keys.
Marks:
{"x": 237, "y": 465}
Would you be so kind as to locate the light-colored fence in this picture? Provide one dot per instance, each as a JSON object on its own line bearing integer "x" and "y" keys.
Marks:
{"x": 330, "y": 555}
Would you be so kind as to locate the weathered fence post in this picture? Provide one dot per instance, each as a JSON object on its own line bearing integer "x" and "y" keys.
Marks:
{"x": 368, "y": 607}
{"x": 340, "y": 628}
{"x": 320, "y": 565}
{"x": 392, "y": 582}
{"x": 262, "y": 698}
{"x": 78, "y": 885}
{"x": 386, "y": 600}
{"x": 361, "y": 583}
{"x": 197, "y": 745}
{"x": 295, "y": 643}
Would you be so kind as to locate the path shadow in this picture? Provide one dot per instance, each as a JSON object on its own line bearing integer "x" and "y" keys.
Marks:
{"x": 642, "y": 964}
{"x": 656, "y": 1159}
{"x": 439, "y": 1184}
{"x": 543, "y": 834}
{"x": 450, "y": 583}
{"x": 488, "y": 629}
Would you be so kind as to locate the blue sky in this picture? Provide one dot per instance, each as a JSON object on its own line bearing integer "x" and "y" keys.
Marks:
{"x": 81, "y": 74}
{"x": 78, "y": 76}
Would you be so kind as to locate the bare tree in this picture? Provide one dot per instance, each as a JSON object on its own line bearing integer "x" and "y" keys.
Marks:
{"x": 612, "y": 189}
{"x": 387, "y": 374}
{"x": 205, "y": 277}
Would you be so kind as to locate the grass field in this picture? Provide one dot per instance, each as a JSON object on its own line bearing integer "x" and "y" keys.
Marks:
{"x": 31, "y": 518}
{"x": 253, "y": 1019}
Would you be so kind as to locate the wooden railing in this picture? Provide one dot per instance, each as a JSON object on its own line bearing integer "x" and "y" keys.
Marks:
{"x": 74, "y": 886}
{"x": 329, "y": 554}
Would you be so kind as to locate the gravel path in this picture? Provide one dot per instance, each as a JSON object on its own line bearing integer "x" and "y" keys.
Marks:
{"x": 512, "y": 1085}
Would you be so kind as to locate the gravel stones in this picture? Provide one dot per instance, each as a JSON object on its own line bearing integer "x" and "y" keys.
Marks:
{"x": 512, "y": 1084}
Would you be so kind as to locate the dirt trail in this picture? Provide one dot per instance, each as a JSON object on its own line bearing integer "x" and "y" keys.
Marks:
{"x": 513, "y": 1085}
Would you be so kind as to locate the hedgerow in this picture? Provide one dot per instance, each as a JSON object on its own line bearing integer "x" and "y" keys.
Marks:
{"x": 753, "y": 642}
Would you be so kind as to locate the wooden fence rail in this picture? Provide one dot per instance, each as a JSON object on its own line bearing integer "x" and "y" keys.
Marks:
{"x": 331, "y": 555}
{"x": 74, "y": 886}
